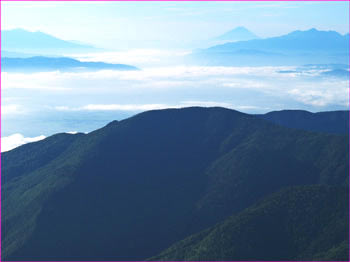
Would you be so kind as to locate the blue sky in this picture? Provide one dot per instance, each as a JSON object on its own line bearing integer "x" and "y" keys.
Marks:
{"x": 108, "y": 24}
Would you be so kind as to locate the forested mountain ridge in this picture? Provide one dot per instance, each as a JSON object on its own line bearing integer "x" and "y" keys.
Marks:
{"x": 130, "y": 190}
{"x": 297, "y": 223}
{"x": 334, "y": 122}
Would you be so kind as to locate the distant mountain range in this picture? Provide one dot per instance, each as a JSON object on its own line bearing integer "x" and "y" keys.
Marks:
{"x": 238, "y": 47}
{"x": 182, "y": 184}
{"x": 22, "y": 41}
{"x": 42, "y": 64}
{"x": 295, "y": 48}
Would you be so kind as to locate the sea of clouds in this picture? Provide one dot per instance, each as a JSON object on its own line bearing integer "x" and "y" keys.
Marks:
{"x": 70, "y": 100}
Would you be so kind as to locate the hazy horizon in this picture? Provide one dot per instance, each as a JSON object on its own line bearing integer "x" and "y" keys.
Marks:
{"x": 158, "y": 37}
{"x": 120, "y": 25}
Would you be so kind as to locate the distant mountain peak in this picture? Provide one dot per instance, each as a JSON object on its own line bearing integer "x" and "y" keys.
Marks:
{"x": 239, "y": 33}
{"x": 240, "y": 28}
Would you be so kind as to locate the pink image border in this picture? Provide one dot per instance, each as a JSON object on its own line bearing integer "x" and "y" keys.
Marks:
{"x": 151, "y": 2}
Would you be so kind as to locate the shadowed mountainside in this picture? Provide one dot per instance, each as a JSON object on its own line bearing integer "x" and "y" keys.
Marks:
{"x": 134, "y": 187}
{"x": 298, "y": 223}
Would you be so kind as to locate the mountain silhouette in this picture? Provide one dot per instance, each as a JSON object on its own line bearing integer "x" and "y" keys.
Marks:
{"x": 296, "y": 48}
{"x": 20, "y": 40}
{"x": 132, "y": 189}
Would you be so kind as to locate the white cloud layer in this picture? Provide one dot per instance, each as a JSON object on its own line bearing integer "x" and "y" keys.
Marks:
{"x": 10, "y": 109}
{"x": 133, "y": 56}
{"x": 173, "y": 86}
{"x": 15, "y": 140}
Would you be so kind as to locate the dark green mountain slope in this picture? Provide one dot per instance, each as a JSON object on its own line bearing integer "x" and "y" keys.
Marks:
{"x": 133, "y": 188}
{"x": 266, "y": 161}
{"x": 25, "y": 187}
{"x": 299, "y": 223}
{"x": 31, "y": 156}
